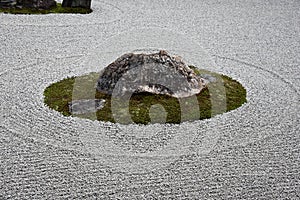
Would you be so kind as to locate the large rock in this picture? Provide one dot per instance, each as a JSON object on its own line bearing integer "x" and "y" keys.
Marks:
{"x": 77, "y": 3}
{"x": 46, "y": 4}
{"x": 8, "y": 3}
{"x": 37, "y": 4}
{"x": 157, "y": 73}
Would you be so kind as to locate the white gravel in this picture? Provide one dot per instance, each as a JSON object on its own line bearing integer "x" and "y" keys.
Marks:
{"x": 249, "y": 153}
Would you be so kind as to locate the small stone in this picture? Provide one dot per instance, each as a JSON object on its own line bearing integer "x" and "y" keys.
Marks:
{"x": 207, "y": 78}
{"x": 86, "y": 106}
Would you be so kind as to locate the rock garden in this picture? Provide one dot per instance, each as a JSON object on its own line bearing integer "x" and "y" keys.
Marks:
{"x": 146, "y": 88}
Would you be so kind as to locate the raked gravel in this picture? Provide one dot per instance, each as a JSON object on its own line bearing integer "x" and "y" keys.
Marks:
{"x": 249, "y": 153}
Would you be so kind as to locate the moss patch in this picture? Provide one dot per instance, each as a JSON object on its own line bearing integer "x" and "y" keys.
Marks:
{"x": 57, "y": 9}
{"x": 58, "y": 95}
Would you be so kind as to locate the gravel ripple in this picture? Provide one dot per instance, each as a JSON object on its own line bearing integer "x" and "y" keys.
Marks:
{"x": 250, "y": 152}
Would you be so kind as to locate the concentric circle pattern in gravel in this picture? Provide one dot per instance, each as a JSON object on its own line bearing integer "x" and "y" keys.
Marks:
{"x": 250, "y": 152}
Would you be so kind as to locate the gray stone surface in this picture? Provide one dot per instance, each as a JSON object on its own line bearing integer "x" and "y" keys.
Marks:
{"x": 157, "y": 73}
{"x": 78, "y": 107}
{"x": 250, "y": 153}
{"x": 77, "y": 3}
{"x": 7, "y": 3}
{"x": 45, "y": 4}
{"x": 38, "y": 4}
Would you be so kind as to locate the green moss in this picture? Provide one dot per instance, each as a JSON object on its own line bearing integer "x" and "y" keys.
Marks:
{"x": 57, "y": 9}
{"x": 58, "y": 95}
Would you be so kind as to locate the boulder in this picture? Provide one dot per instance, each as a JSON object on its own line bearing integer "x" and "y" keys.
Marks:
{"x": 77, "y": 4}
{"x": 37, "y": 4}
{"x": 157, "y": 73}
{"x": 7, "y": 3}
{"x": 46, "y": 4}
